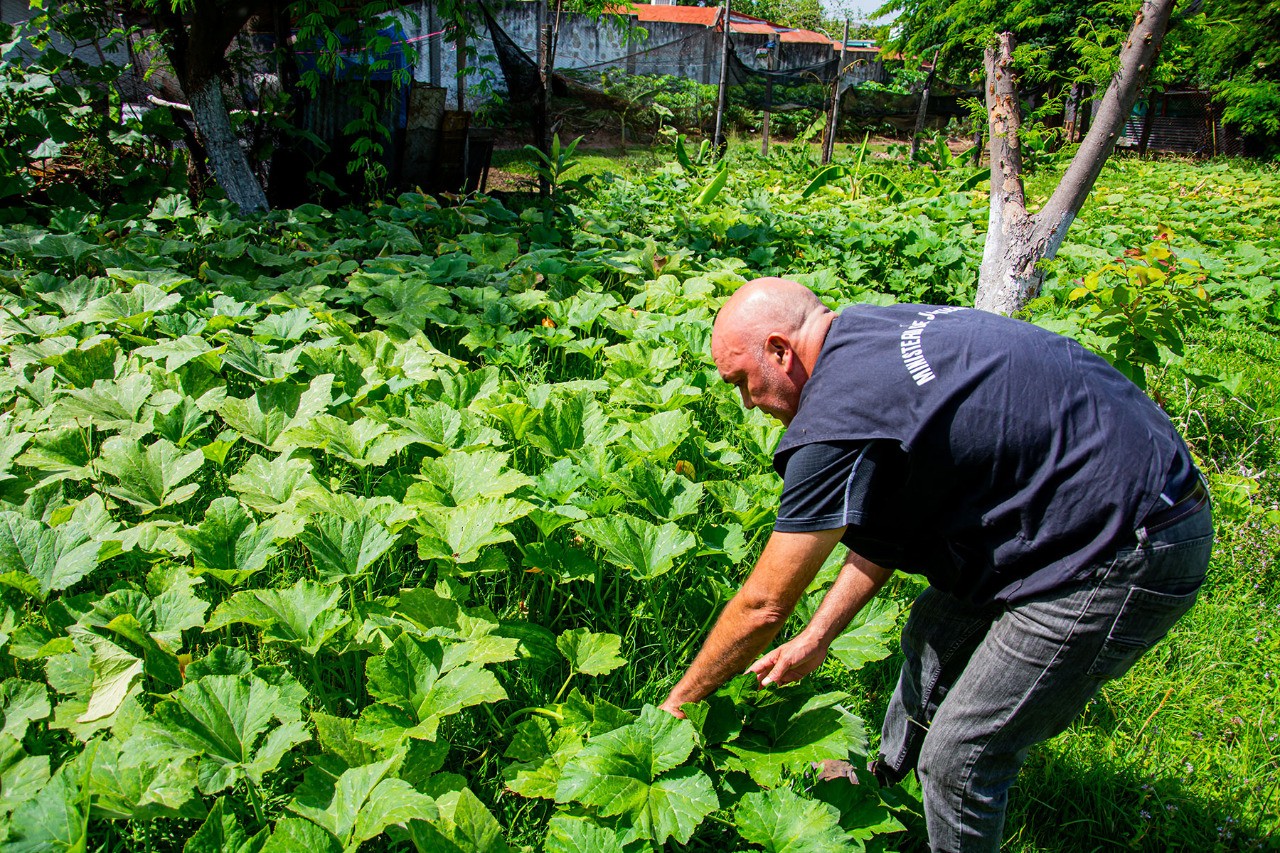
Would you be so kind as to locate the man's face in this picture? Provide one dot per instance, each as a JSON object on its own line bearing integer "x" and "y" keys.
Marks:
{"x": 763, "y": 382}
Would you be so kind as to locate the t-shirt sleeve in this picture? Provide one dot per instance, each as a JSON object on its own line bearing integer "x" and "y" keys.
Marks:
{"x": 817, "y": 485}
{"x": 826, "y": 485}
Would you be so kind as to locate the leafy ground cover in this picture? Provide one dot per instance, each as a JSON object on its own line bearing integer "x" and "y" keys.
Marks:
{"x": 393, "y": 524}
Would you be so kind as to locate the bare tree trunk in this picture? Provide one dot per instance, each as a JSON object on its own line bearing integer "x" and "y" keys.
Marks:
{"x": 924, "y": 108}
{"x": 196, "y": 52}
{"x": 1010, "y": 275}
{"x": 222, "y": 146}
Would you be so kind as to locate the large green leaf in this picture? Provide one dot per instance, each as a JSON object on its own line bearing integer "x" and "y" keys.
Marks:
{"x": 22, "y": 703}
{"x": 458, "y": 533}
{"x": 458, "y": 477}
{"x": 869, "y": 636}
{"x": 570, "y": 834}
{"x": 635, "y": 772}
{"x": 539, "y": 758}
{"x": 644, "y": 549}
{"x": 275, "y": 408}
{"x": 53, "y": 822}
{"x": 113, "y": 405}
{"x": 305, "y": 615}
{"x": 229, "y": 544}
{"x": 463, "y": 826}
{"x": 223, "y": 720}
{"x": 60, "y": 454}
{"x": 223, "y": 833}
{"x": 128, "y": 783}
{"x": 417, "y": 679}
{"x": 363, "y": 443}
{"x": 362, "y": 803}
{"x": 664, "y": 493}
{"x": 149, "y": 478}
{"x": 73, "y": 674}
{"x": 177, "y": 352}
{"x": 21, "y": 775}
{"x": 591, "y": 654}
{"x": 295, "y": 835}
{"x": 657, "y": 436}
{"x": 342, "y": 548}
{"x": 114, "y": 674}
{"x": 788, "y": 736}
{"x": 53, "y": 558}
{"x": 443, "y": 428}
{"x": 571, "y": 422}
{"x": 273, "y": 485}
{"x": 781, "y": 821}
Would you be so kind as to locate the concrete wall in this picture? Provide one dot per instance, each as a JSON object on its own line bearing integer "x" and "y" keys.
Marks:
{"x": 691, "y": 51}
{"x": 681, "y": 50}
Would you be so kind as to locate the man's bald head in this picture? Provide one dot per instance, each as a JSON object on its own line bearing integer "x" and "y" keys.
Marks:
{"x": 766, "y": 306}
{"x": 766, "y": 340}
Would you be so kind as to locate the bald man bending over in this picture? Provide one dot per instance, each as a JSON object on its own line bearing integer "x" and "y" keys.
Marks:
{"x": 1051, "y": 505}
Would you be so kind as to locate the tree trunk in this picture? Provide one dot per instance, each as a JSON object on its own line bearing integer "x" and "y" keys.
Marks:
{"x": 1011, "y": 273}
{"x": 196, "y": 51}
{"x": 923, "y": 109}
{"x": 226, "y": 157}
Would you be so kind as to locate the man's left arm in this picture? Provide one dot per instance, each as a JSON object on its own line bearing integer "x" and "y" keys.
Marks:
{"x": 754, "y": 616}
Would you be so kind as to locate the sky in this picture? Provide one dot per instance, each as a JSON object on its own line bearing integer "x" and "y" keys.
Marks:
{"x": 853, "y": 8}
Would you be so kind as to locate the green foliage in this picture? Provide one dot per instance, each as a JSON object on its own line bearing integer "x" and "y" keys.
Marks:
{"x": 1133, "y": 310}
{"x": 63, "y": 139}
{"x": 390, "y": 526}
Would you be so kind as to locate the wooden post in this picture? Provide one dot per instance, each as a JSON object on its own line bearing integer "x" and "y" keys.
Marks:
{"x": 434, "y": 45}
{"x": 1147, "y": 121}
{"x": 462, "y": 69}
{"x": 923, "y": 108}
{"x": 724, "y": 77}
{"x": 774, "y": 47}
{"x": 829, "y": 147}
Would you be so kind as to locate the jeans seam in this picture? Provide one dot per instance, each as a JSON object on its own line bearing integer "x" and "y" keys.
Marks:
{"x": 981, "y": 749}
{"x": 927, "y": 692}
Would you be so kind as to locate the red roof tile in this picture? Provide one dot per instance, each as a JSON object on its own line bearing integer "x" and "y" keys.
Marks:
{"x": 807, "y": 36}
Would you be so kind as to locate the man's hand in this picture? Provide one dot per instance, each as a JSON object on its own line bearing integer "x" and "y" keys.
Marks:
{"x": 791, "y": 661}
{"x": 754, "y": 616}
{"x": 673, "y": 709}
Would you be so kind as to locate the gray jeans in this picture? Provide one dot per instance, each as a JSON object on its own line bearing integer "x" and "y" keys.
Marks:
{"x": 981, "y": 685}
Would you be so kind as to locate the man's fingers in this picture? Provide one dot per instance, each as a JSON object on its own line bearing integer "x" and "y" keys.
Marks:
{"x": 778, "y": 674}
{"x": 764, "y": 663}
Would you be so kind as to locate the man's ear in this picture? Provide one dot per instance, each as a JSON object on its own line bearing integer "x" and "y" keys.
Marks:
{"x": 778, "y": 350}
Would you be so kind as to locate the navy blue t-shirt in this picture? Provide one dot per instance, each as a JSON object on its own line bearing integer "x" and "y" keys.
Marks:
{"x": 994, "y": 457}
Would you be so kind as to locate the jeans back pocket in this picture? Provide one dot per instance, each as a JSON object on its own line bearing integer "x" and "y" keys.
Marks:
{"x": 1144, "y": 619}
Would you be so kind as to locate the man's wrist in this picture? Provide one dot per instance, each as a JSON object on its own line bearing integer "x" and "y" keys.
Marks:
{"x": 821, "y": 636}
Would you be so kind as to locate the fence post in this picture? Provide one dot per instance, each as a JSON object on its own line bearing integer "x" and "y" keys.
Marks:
{"x": 924, "y": 107}
{"x": 724, "y": 76}
{"x": 829, "y": 144}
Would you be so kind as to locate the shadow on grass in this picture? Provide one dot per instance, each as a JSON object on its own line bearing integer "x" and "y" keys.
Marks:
{"x": 1061, "y": 804}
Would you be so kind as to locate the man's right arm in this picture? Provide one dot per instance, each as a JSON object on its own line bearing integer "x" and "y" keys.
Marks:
{"x": 857, "y": 584}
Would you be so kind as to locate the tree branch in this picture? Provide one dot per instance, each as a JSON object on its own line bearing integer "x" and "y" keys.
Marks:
{"x": 1136, "y": 58}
